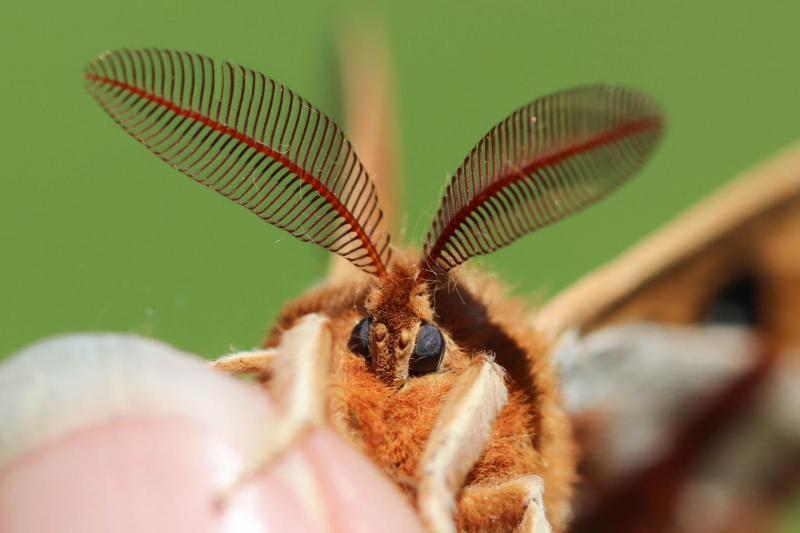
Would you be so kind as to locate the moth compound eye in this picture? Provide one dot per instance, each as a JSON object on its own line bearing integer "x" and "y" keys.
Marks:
{"x": 359, "y": 338}
{"x": 427, "y": 351}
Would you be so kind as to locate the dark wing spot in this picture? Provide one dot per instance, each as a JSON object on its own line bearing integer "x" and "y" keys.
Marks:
{"x": 736, "y": 302}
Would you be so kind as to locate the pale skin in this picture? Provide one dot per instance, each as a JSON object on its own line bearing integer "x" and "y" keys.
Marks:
{"x": 144, "y": 467}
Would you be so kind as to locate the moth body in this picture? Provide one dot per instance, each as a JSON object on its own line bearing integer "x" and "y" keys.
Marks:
{"x": 390, "y": 415}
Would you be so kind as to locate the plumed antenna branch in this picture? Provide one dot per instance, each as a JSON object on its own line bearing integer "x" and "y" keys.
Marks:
{"x": 250, "y": 139}
{"x": 545, "y": 161}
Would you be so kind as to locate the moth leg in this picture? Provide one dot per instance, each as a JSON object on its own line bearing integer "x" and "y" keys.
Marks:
{"x": 299, "y": 370}
{"x": 255, "y": 362}
{"x": 498, "y": 507}
{"x": 457, "y": 441}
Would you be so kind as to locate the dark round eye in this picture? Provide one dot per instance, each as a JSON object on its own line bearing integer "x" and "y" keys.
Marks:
{"x": 359, "y": 338}
{"x": 427, "y": 351}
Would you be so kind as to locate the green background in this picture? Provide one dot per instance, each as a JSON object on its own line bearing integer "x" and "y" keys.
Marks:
{"x": 99, "y": 235}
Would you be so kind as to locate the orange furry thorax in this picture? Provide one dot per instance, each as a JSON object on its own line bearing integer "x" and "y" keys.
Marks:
{"x": 389, "y": 416}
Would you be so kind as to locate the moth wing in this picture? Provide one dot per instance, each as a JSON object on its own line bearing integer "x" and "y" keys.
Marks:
{"x": 680, "y": 364}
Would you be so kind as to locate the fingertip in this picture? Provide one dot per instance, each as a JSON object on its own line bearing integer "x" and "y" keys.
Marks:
{"x": 131, "y": 463}
{"x": 362, "y": 499}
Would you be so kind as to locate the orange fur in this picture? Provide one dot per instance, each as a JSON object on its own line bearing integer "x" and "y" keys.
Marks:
{"x": 389, "y": 416}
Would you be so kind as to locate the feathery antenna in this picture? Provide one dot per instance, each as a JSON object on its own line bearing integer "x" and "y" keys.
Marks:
{"x": 545, "y": 161}
{"x": 250, "y": 139}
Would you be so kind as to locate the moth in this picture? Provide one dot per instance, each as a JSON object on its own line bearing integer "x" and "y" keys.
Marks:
{"x": 423, "y": 363}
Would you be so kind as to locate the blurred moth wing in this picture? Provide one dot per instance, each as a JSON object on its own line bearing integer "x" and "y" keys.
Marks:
{"x": 678, "y": 361}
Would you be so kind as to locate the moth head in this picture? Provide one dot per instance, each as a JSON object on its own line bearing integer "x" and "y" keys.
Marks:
{"x": 399, "y": 337}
